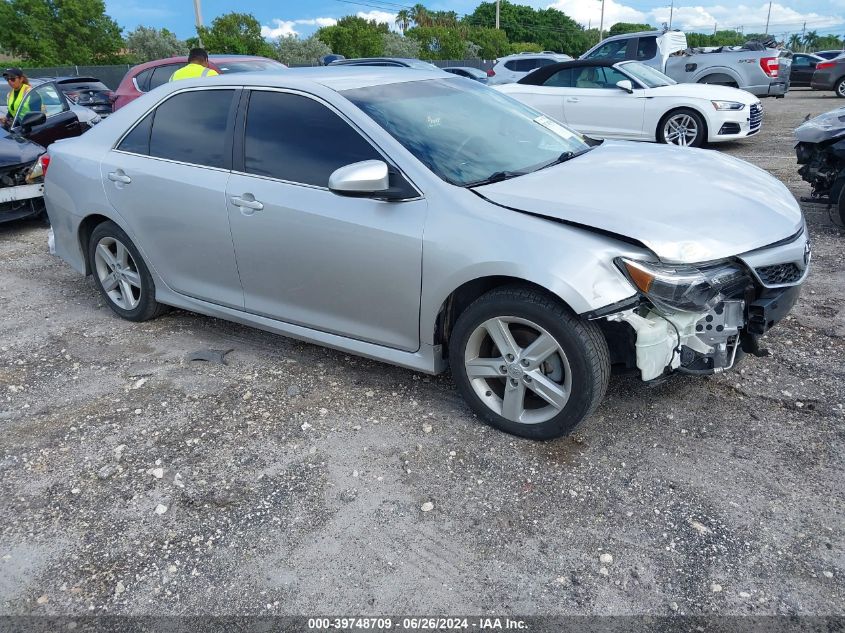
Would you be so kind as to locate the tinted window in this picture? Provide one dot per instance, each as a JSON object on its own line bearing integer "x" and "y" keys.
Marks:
{"x": 614, "y": 49}
{"x": 75, "y": 86}
{"x": 191, "y": 127}
{"x": 800, "y": 60}
{"x": 138, "y": 140}
{"x": 542, "y": 61}
{"x": 143, "y": 79}
{"x": 161, "y": 75}
{"x": 647, "y": 48}
{"x": 561, "y": 79}
{"x": 512, "y": 64}
{"x": 297, "y": 139}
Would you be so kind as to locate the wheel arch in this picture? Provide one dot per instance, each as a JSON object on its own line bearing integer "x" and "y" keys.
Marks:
{"x": 461, "y": 297}
{"x": 86, "y": 228}
{"x": 718, "y": 76}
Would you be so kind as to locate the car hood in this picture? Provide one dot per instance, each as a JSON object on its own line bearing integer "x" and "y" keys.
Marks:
{"x": 709, "y": 92}
{"x": 16, "y": 150}
{"x": 686, "y": 205}
{"x": 824, "y": 127}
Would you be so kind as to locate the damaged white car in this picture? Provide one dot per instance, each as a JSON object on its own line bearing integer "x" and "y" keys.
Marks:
{"x": 430, "y": 222}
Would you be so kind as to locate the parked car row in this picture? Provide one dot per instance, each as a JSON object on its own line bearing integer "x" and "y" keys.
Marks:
{"x": 428, "y": 221}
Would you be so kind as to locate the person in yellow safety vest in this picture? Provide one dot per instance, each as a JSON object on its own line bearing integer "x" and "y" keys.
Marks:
{"x": 19, "y": 84}
{"x": 197, "y": 66}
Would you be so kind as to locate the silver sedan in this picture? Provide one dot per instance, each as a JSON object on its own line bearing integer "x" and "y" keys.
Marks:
{"x": 430, "y": 222}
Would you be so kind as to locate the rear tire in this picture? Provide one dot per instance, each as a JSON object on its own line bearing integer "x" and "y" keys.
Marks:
{"x": 839, "y": 88}
{"x": 527, "y": 365}
{"x": 121, "y": 275}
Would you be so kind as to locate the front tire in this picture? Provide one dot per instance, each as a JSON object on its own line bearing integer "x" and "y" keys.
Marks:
{"x": 527, "y": 365}
{"x": 121, "y": 275}
{"x": 682, "y": 127}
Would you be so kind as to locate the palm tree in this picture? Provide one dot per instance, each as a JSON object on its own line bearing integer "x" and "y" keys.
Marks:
{"x": 403, "y": 20}
{"x": 811, "y": 40}
{"x": 420, "y": 15}
{"x": 794, "y": 42}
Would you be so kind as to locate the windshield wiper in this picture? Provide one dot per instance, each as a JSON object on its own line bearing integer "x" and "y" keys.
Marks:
{"x": 565, "y": 156}
{"x": 496, "y": 176}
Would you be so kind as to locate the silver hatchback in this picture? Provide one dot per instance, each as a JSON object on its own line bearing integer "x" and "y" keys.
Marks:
{"x": 430, "y": 222}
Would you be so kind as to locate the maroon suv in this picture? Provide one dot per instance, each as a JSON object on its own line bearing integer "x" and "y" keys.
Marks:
{"x": 144, "y": 77}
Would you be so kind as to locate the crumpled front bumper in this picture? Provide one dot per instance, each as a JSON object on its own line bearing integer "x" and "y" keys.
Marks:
{"x": 710, "y": 341}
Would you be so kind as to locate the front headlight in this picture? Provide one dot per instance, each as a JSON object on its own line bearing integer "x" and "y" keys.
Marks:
{"x": 682, "y": 287}
{"x": 728, "y": 105}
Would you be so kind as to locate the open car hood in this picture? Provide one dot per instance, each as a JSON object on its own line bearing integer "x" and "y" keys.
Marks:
{"x": 16, "y": 150}
{"x": 686, "y": 205}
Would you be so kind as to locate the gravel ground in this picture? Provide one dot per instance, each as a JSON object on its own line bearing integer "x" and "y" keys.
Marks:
{"x": 297, "y": 480}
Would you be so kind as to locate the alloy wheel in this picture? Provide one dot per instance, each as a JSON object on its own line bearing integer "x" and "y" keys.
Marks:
{"x": 518, "y": 370}
{"x": 680, "y": 129}
{"x": 118, "y": 273}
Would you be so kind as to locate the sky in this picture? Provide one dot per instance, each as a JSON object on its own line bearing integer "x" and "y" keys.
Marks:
{"x": 303, "y": 17}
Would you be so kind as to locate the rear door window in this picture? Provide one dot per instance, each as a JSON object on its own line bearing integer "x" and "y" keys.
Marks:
{"x": 647, "y": 48}
{"x": 142, "y": 80}
{"x": 192, "y": 127}
{"x": 613, "y": 50}
{"x": 561, "y": 79}
{"x": 298, "y": 139}
{"x": 161, "y": 75}
{"x": 138, "y": 140}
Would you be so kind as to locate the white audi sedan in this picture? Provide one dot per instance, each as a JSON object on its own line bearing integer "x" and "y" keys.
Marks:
{"x": 629, "y": 100}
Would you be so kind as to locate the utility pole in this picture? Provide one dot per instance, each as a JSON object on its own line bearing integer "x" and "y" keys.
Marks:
{"x": 497, "y": 14}
{"x": 601, "y": 23}
{"x": 198, "y": 18}
{"x": 671, "y": 13}
{"x": 804, "y": 28}
{"x": 715, "y": 28}
{"x": 768, "y": 16}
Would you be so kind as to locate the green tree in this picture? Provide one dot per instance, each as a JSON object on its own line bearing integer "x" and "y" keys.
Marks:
{"x": 525, "y": 47}
{"x": 59, "y": 32}
{"x": 235, "y": 33}
{"x": 811, "y": 41}
{"x": 296, "y": 52}
{"x": 397, "y": 46}
{"x": 553, "y": 30}
{"x": 145, "y": 44}
{"x": 355, "y": 37}
{"x": 420, "y": 16}
{"x": 628, "y": 27}
{"x": 492, "y": 43}
{"x": 403, "y": 20}
{"x": 439, "y": 42}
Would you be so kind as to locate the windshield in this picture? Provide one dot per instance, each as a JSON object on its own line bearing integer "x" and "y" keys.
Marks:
{"x": 647, "y": 75}
{"x": 465, "y": 132}
{"x": 250, "y": 66}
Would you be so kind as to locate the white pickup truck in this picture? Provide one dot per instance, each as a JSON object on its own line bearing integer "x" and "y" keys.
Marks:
{"x": 764, "y": 73}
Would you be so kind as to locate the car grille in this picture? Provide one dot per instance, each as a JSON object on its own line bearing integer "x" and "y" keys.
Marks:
{"x": 779, "y": 274}
{"x": 755, "y": 120}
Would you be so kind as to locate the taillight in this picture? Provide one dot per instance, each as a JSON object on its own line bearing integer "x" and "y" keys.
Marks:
{"x": 769, "y": 66}
{"x": 45, "y": 163}
{"x": 491, "y": 72}
{"x": 823, "y": 65}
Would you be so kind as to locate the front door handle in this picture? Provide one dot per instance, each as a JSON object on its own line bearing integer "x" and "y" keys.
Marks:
{"x": 248, "y": 201}
{"x": 119, "y": 176}
{"x": 572, "y": 100}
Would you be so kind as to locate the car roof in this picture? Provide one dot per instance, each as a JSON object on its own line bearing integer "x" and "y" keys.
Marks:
{"x": 627, "y": 35}
{"x": 471, "y": 68}
{"x": 337, "y": 78}
{"x": 70, "y": 79}
{"x": 183, "y": 59}
{"x": 541, "y": 74}
{"x": 527, "y": 55}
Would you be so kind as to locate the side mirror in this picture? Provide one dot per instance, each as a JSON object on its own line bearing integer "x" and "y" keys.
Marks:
{"x": 367, "y": 179}
{"x": 626, "y": 85}
{"x": 31, "y": 119}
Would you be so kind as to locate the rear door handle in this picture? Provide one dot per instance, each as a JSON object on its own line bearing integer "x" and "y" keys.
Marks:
{"x": 572, "y": 100}
{"x": 247, "y": 203}
{"x": 119, "y": 176}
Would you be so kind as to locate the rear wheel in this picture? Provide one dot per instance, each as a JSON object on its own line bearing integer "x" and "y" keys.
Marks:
{"x": 121, "y": 275}
{"x": 839, "y": 88}
{"x": 682, "y": 127}
{"x": 526, "y": 364}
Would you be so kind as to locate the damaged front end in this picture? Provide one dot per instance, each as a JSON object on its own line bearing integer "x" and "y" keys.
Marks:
{"x": 21, "y": 191}
{"x": 700, "y": 319}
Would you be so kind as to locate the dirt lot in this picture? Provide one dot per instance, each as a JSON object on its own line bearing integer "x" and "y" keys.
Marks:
{"x": 291, "y": 481}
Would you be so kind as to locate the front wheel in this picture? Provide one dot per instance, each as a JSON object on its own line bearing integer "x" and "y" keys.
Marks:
{"x": 684, "y": 127}
{"x": 526, "y": 364}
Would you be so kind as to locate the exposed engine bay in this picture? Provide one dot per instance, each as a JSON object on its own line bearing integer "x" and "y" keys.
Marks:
{"x": 21, "y": 191}
{"x": 820, "y": 151}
